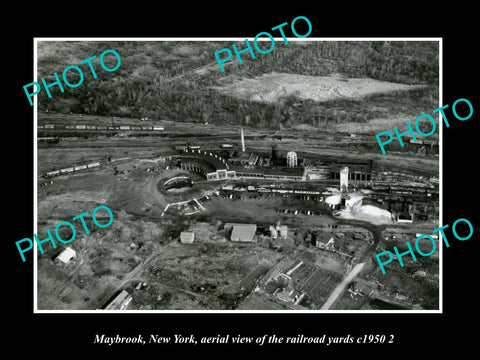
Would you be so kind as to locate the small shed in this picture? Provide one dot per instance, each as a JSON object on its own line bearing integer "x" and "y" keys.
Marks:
{"x": 66, "y": 255}
{"x": 325, "y": 240}
{"x": 273, "y": 232}
{"x": 187, "y": 237}
{"x": 283, "y": 229}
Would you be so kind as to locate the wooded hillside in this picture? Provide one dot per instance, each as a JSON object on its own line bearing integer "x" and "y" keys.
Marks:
{"x": 172, "y": 80}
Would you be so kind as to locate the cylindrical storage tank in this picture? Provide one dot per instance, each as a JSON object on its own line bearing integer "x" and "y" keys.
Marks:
{"x": 291, "y": 159}
{"x": 275, "y": 152}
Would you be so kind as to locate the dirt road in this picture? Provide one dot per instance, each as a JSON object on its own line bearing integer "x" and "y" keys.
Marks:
{"x": 341, "y": 287}
{"x": 138, "y": 269}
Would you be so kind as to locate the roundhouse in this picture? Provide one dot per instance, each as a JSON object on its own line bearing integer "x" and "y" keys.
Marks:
{"x": 210, "y": 165}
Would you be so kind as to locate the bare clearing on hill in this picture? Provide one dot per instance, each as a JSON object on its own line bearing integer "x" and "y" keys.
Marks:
{"x": 272, "y": 87}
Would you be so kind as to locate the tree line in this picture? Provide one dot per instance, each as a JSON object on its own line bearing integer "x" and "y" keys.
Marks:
{"x": 169, "y": 80}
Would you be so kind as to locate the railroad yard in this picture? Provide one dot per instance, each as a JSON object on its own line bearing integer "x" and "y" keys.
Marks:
{"x": 164, "y": 179}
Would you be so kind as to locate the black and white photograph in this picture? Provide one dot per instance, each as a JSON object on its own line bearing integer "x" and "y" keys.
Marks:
{"x": 262, "y": 187}
{"x": 222, "y": 180}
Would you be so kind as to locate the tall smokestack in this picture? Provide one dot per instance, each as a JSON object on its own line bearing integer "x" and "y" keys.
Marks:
{"x": 243, "y": 140}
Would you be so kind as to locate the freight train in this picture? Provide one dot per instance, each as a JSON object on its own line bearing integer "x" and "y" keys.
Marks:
{"x": 203, "y": 147}
{"x": 98, "y": 127}
{"x": 72, "y": 169}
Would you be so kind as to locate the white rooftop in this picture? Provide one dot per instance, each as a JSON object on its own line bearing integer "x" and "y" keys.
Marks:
{"x": 66, "y": 255}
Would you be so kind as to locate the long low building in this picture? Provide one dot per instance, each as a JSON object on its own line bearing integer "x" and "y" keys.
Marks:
{"x": 119, "y": 302}
{"x": 206, "y": 168}
{"x": 243, "y": 158}
{"x": 273, "y": 173}
{"x": 221, "y": 175}
{"x": 214, "y": 167}
{"x": 241, "y": 232}
{"x": 209, "y": 164}
{"x": 360, "y": 170}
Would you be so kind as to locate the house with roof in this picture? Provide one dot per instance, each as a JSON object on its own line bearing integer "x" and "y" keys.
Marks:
{"x": 325, "y": 240}
{"x": 66, "y": 255}
{"x": 278, "y": 230}
{"x": 283, "y": 231}
{"x": 187, "y": 237}
{"x": 273, "y": 231}
{"x": 288, "y": 294}
{"x": 243, "y": 232}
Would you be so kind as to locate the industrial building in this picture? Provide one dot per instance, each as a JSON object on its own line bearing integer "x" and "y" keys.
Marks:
{"x": 210, "y": 165}
{"x": 318, "y": 172}
{"x": 358, "y": 171}
{"x": 119, "y": 302}
{"x": 250, "y": 165}
{"x": 214, "y": 168}
{"x": 243, "y": 158}
{"x": 273, "y": 173}
{"x": 220, "y": 175}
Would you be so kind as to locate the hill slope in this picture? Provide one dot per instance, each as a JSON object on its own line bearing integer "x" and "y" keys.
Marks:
{"x": 178, "y": 81}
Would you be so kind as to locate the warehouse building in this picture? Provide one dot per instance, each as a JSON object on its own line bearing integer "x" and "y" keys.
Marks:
{"x": 358, "y": 171}
{"x": 210, "y": 165}
{"x": 242, "y": 232}
{"x": 271, "y": 173}
{"x": 119, "y": 302}
{"x": 243, "y": 158}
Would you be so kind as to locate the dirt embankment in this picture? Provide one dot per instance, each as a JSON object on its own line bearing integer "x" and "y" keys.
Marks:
{"x": 272, "y": 87}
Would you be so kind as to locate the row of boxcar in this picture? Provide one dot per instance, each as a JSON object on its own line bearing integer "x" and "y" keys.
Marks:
{"x": 98, "y": 127}
{"x": 203, "y": 147}
{"x": 404, "y": 190}
{"x": 230, "y": 187}
{"x": 73, "y": 169}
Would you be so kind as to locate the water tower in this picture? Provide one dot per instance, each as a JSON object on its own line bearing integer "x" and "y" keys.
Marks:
{"x": 291, "y": 159}
{"x": 275, "y": 153}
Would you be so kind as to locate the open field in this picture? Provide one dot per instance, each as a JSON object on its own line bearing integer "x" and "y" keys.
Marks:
{"x": 104, "y": 258}
{"x": 208, "y": 274}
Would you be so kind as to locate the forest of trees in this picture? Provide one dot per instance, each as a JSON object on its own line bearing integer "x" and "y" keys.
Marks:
{"x": 159, "y": 80}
